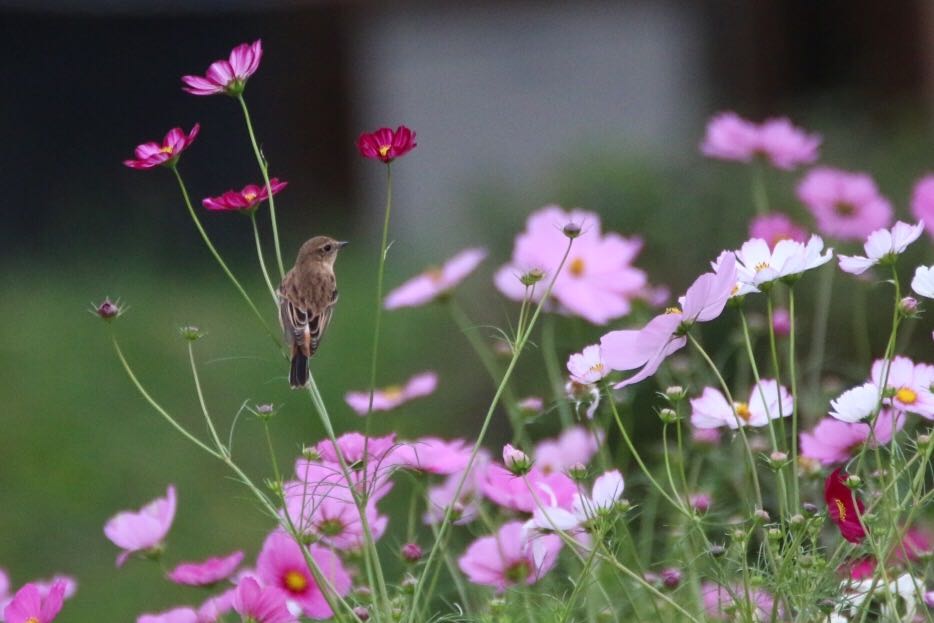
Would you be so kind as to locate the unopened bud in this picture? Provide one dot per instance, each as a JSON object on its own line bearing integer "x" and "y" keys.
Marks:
{"x": 809, "y": 508}
{"x": 531, "y": 405}
{"x": 265, "y": 411}
{"x": 311, "y": 453}
{"x": 700, "y": 502}
{"x": 781, "y": 322}
{"x": 671, "y": 577}
{"x": 717, "y": 550}
{"x": 761, "y": 515}
{"x": 497, "y": 605}
{"x": 572, "y": 230}
{"x": 362, "y": 613}
{"x": 797, "y": 519}
{"x": 908, "y": 307}
{"x": 853, "y": 481}
{"x": 774, "y": 534}
{"x": 532, "y": 277}
{"x": 578, "y": 472}
{"x": 924, "y": 440}
{"x": 674, "y": 393}
{"x": 668, "y": 416}
{"x": 411, "y": 552}
{"x": 108, "y": 310}
{"x": 409, "y": 582}
{"x": 516, "y": 461}
{"x": 778, "y": 459}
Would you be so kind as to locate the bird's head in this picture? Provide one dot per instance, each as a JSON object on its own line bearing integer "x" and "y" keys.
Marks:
{"x": 320, "y": 249}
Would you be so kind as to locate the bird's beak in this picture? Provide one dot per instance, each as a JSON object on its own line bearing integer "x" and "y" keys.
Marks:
{"x": 342, "y": 244}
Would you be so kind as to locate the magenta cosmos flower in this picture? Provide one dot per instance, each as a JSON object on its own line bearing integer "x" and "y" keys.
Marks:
{"x": 433, "y": 455}
{"x": 245, "y": 200}
{"x": 29, "y": 606}
{"x": 730, "y": 137}
{"x": 144, "y": 529}
{"x": 211, "y": 571}
{"x": 846, "y": 206}
{"x": 389, "y": 398}
{"x": 833, "y": 441}
{"x": 502, "y": 560}
{"x": 648, "y": 347}
{"x": 386, "y": 145}
{"x": 182, "y": 614}
{"x": 844, "y": 507}
{"x": 775, "y": 227}
{"x": 227, "y": 76}
{"x": 261, "y": 604}
{"x": 354, "y": 447}
{"x": 152, "y": 154}
{"x": 435, "y": 282}
{"x": 528, "y": 492}
{"x": 327, "y": 512}
{"x": 214, "y": 608}
{"x": 281, "y": 564}
{"x": 597, "y": 283}
{"x": 922, "y": 202}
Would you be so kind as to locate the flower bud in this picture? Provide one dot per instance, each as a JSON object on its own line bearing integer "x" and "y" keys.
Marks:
{"x": 797, "y": 519}
{"x": 311, "y": 453}
{"x": 717, "y": 550}
{"x": 516, "y": 461}
{"x": 578, "y": 472}
{"x": 572, "y": 230}
{"x": 409, "y": 582}
{"x": 781, "y": 322}
{"x": 853, "y": 481}
{"x": 774, "y": 534}
{"x": 108, "y": 310}
{"x": 362, "y": 613}
{"x": 908, "y": 307}
{"x": 671, "y": 577}
{"x": 532, "y": 277}
{"x": 700, "y": 502}
{"x": 275, "y": 486}
{"x": 532, "y": 405}
{"x": 924, "y": 440}
{"x": 497, "y": 605}
{"x": 810, "y": 509}
{"x": 190, "y": 332}
{"x": 675, "y": 393}
{"x": 411, "y": 552}
{"x": 778, "y": 459}
{"x": 668, "y": 416}
{"x": 363, "y": 592}
{"x": 265, "y": 411}
{"x": 761, "y": 515}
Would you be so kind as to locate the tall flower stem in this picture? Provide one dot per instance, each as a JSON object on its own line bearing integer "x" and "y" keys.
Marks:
{"x": 553, "y": 368}
{"x": 217, "y": 256}
{"x": 378, "y": 311}
{"x": 521, "y": 342}
{"x": 262, "y": 260}
{"x": 819, "y": 335}
{"x": 793, "y": 372}
{"x": 264, "y": 168}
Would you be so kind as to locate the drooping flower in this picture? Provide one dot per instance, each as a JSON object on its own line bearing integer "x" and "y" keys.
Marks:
{"x": 923, "y": 281}
{"x": 149, "y": 155}
{"x": 648, "y": 347}
{"x": 575, "y": 445}
{"x": 520, "y": 492}
{"x": 775, "y": 227}
{"x": 246, "y": 199}
{"x": 882, "y": 246}
{"x": 855, "y": 404}
{"x": 282, "y": 565}
{"x": 29, "y": 606}
{"x": 328, "y": 512}
{"x": 730, "y": 137}
{"x": 587, "y": 367}
{"x": 767, "y": 400}
{"x": 144, "y": 529}
{"x": 844, "y": 507}
{"x": 227, "y": 76}
{"x": 389, "y": 398}
{"x": 834, "y": 441}
{"x": 210, "y": 571}
{"x": 385, "y": 144}
{"x": 435, "y": 282}
{"x": 922, "y": 202}
{"x": 908, "y": 385}
{"x": 503, "y": 560}
{"x": 597, "y": 282}
{"x": 433, "y": 455}
{"x": 261, "y": 604}
{"x": 182, "y": 614}
{"x": 846, "y": 206}
{"x": 757, "y": 265}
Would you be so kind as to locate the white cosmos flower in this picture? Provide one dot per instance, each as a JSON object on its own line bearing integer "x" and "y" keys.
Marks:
{"x": 712, "y": 410}
{"x": 880, "y": 245}
{"x": 607, "y": 491}
{"x": 758, "y": 265}
{"x": 904, "y": 587}
{"x": 923, "y": 281}
{"x": 587, "y": 367}
{"x": 856, "y": 404}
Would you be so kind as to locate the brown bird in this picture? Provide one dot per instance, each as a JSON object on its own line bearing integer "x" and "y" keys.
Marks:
{"x": 307, "y": 296}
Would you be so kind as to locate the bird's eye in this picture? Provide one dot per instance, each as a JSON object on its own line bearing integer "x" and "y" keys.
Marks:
{"x": 327, "y": 247}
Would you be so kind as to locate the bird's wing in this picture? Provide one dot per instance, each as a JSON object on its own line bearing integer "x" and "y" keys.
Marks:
{"x": 319, "y": 315}
{"x": 305, "y": 310}
{"x": 293, "y": 317}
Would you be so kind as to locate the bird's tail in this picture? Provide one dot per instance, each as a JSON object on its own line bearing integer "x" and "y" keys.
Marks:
{"x": 298, "y": 375}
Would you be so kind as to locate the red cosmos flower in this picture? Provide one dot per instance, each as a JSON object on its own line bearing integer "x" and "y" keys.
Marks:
{"x": 386, "y": 145}
{"x": 149, "y": 155}
{"x": 228, "y": 76}
{"x": 844, "y": 507}
{"x": 245, "y": 200}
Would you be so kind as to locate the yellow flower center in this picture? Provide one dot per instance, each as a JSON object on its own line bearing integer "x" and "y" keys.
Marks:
{"x": 249, "y": 196}
{"x": 295, "y": 581}
{"x": 393, "y": 392}
{"x": 384, "y": 150}
{"x": 32, "y": 620}
{"x": 166, "y": 149}
{"x": 742, "y": 410}
{"x": 906, "y": 395}
{"x": 576, "y": 267}
{"x": 841, "y": 509}
{"x": 673, "y": 310}
{"x": 761, "y": 266}
{"x": 597, "y": 367}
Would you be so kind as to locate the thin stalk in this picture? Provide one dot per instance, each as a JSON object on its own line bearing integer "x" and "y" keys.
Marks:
{"x": 262, "y": 261}
{"x": 553, "y": 368}
{"x": 204, "y": 407}
{"x": 793, "y": 372}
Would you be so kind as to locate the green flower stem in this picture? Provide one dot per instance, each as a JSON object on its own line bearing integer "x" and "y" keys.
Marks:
{"x": 220, "y": 260}
{"x": 553, "y": 369}
{"x": 262, "y": 261}
{"x": 204, "y": 407}
{"x": 264, "y": 168}
{"x": 793, "y": 372}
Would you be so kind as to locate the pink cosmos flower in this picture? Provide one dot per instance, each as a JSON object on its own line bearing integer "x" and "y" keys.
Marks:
{"x": 281, "y": 564}
{"x": 227, "y": 76}
{"x": 516, "y": 492}
{"x": 142, "y": 530}
{"x": 587, "y": 367}
{"x": 730, "y": 137}
{"x": 501, "y": 561}
{"x": 389, "y": 398}
{"x": 28, "y": 606}
{"x": 922, "y": 202}
{"x": 435, "y": 282}
{"x": 245, "y": 200}
{"x": 781, "y": 322}
{"x": 663, "y": 335}
{"x": 846, "y": 206}
{"x": 433, "y": 455}
{"x": 182, "y": 614}
{"x": 705, "y": 436}
{"x": 718, "y": 601}
{"x": 386, "y": 145}
{"x": 597, "y": 282}
{"x": 775, "y": 227}
{"x": 833, "y": 441}
{"x": 261, "y": 604}
{"x": 354, "y": 447}
{"x": 214, "y": 608}
{"x": 211, "y": 571}
{"x": 767, "y": 400}
{"x": 375, "y": 478}
{"x": 466, "y": 505}
{"x": 575, "y": 445}
{"x": 328, "y": 512}
{"x": 909, "y": 384}
{"x": 606, "y": 493}
{"x": 882, "y": 245}
{"x": 149, "y": 155}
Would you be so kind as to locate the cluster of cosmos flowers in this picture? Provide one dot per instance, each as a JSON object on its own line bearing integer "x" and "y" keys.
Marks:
{"x": 524, "y": 511}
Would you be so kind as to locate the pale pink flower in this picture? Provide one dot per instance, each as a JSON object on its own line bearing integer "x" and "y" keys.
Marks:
{"x": 833, "y": 441}
{"x": 718, "y": 601}
{"x": 846, "y": 206}
{"x": 29, "y": 606}
{"x": 781, "y": 322}
{"x": 354, "y": 447}
{"x": 730, "y": 137}
{"x": 587, "y": 367}
{"x": 182, "y": 614}
{"x": 758, "y": 265}
{"x": 435, "y": 282}
{"x": 466, "y": 506}
{"x": 775, "y": 227}
{"x": 923, "y": 281}
{"x": 144, "y": 529}
{"x": 152, "y": 154}
{"x": 882, "y": 245}
{"x": 210, "y": 571}
{"x": 328, "y": 512}
{"x": 4, "y": 589}
{"x": 388, "y": 398}
{"x": 376, "y": 477}
{"x": 648, "y": 347}
{"x": 767, "y": 400}
{"x": 597, "y": 281}
{"x": 281, "y": 564}
{"x": 707, "y": 436}
{"x": 606, "y": 493}
{"x": 503, "y": 560}
{"x": 922, "y": 202}
{"x": 516, "y": 492}
{"x": 214, "y": 608}
{"x": 576, "y": 444}
{"x": 856, "y": 403}
{"x": 909, "y": 384}
{"x": 433, "y": 455}
{"x": 227, "y": 76}
{"x": 261, "y": 604}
